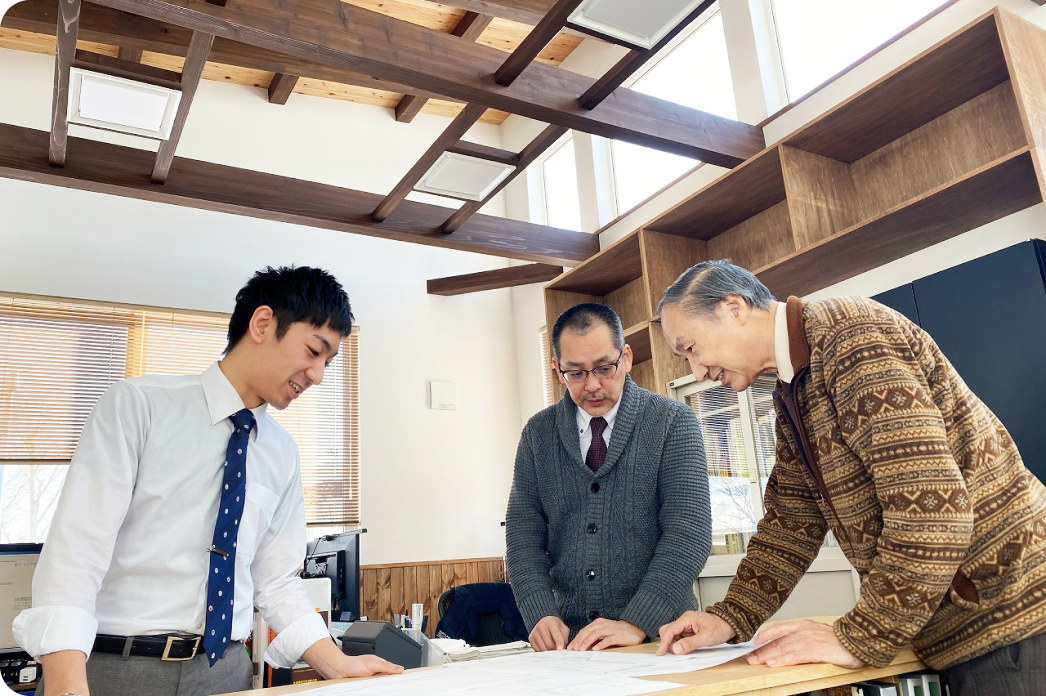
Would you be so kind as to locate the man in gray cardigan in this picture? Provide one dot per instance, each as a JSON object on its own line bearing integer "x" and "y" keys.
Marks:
{"x": 608, "y": 521}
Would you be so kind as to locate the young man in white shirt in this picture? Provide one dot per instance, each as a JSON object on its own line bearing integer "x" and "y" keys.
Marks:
{"x": 167, "y": 533}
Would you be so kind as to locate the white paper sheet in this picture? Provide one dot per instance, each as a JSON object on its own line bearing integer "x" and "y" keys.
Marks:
{"x": 555, "y": 673}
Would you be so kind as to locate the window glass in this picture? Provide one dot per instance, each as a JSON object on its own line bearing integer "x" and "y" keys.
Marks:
{"x": 696, "y": 74}
{"x": 559, "y": 173}
{"x": 818, "y": 38}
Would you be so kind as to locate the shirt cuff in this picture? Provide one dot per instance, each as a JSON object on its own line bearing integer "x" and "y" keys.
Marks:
{"x": 285, "y": 651}
{"x": 48, "y": 629}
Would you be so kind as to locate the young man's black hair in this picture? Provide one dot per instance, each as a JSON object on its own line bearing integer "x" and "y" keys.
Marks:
{"x": 294, "y": 293}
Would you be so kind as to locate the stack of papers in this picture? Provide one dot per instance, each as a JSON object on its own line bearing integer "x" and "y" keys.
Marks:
{"x": 501, "y": 650}
{"x": 555, "y": 673}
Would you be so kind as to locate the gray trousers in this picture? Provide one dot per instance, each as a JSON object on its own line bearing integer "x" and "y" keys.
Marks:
{"x": 112, "y": 675}
{"x": 1012, "y": 670}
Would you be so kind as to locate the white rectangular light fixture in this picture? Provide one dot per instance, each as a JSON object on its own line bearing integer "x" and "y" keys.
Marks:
{"x": 461, "y": 176}
{"x": 640, "y": 24}
{"x": 122, "y": 105}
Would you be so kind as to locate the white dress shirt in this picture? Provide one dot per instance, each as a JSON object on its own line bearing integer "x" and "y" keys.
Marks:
{"x": 584, "y": 426}
{"x": 785, "y": 371}
{"x": 127, "y": 551}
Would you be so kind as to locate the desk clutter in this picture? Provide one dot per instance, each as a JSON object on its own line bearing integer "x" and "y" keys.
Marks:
{"x": 912, "y": 684}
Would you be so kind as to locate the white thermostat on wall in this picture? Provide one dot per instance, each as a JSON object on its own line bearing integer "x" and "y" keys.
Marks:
{"x": 443, "y": 396}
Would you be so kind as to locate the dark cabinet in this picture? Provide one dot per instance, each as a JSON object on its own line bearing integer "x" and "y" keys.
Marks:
{"x": 989, "y": 317}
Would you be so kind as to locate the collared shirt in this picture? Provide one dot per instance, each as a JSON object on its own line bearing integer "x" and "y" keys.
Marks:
{"x": 785, "y": 370}
{"x": 584, "y": 426}
{"x": 127, "y": 550}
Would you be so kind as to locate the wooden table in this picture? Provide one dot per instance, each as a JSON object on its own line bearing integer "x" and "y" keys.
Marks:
{"x": 735, "y": 678}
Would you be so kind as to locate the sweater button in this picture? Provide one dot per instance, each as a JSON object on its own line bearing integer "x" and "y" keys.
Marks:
{"x": 595, "y": 487}
{"x": 592, "y": 616}
{"x": 592, "y": 529}
{"x": 590, "y": 574}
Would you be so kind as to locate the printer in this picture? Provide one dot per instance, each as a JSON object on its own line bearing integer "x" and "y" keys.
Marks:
{"x": 383, "y": 639}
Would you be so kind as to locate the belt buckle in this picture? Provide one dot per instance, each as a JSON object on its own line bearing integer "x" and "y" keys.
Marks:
{"x": 166, "y": 657}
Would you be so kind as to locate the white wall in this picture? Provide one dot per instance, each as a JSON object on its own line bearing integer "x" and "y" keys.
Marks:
{"x": 434, "y": 483}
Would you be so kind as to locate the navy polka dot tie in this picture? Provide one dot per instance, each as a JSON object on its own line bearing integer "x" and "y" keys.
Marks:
{"x": 221, "y": 577}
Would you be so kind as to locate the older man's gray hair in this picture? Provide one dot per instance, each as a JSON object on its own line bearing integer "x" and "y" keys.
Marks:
{"x": 700, "y": 288}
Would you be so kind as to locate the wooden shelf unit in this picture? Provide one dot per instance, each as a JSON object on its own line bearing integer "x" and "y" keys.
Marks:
{"x": 952, "y": 140}
{"x": 947, "y": 142}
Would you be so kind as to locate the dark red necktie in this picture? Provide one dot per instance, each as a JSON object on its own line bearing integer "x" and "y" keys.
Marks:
{"x": 597, "y": 451}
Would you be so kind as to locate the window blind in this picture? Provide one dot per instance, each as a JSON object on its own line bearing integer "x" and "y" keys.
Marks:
{"x": 57, "y": 357}
{"x": 548, "y": 382}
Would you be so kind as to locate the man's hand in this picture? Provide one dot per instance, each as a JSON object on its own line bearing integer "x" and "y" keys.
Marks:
{"x": 65, "y": 672}
{"x": 800, "y": 643}
{"x": 326, "y": 658}
{"x": 549, "y": 634}
{"x": 604, "y": 633}
{"x": 693, "y": 630}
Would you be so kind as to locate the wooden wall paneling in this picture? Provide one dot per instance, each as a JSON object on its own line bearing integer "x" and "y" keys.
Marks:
{"x": 1024, "y": 46}
{"x": 637, "y": 337}
{"x": 758, "y": 241}
{"x": 631, "y": 302}
{"x": 822, "y": 199}
{"x": 558, "y": 301}
{"x": 388, "y": 48}
{"x": 436, "y": 588}
{"x": 946, "y": 149}
{"x": 192, "y": 70}
{"x": 397, "y": 599}
{"x": 65, "y": 52}
{"x": 383, "y": 598}
{"x": 1000, "y": 188}
{"x": 664, "y": 258}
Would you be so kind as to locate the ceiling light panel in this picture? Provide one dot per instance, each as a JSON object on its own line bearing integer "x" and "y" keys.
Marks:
{"x": 461, "y": 176}
{"x": 118, "y": 104}
{"x": 641, "y": 24}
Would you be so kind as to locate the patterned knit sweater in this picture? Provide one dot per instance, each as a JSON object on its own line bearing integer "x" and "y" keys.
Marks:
{"x": 626, "y": 542}
{"x": 936, "y": 510}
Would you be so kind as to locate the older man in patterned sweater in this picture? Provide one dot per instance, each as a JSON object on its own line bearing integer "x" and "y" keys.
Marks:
{"x": 880, "y": 441}
{"x": 608, "y": 520}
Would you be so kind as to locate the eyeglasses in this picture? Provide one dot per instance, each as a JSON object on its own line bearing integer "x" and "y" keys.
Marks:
{"x": 600, "y": 372}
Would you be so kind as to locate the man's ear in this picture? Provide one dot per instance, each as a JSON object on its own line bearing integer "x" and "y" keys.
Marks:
{"x": 737, "y": 308}
{"x": 559, "y": 375}
{"x": 262, "y": 324}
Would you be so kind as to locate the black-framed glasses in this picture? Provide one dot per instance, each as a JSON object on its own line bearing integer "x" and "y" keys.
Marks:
{"x": 600, "y": 371}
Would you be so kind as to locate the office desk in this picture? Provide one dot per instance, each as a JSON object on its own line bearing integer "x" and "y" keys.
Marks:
{"x": 735, "y": 678}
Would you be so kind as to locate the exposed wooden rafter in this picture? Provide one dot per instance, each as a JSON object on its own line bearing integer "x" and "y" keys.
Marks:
{"x": 484, "y": 152}
{"x": 525, "y": 11}
{"x": 199, "y": 47}
{"x": 281, "y": 87}
{"x": 112, "y": 169}
{"x": 510, "y": 277}
{"x": 118, "y": 67}
{"x": 131, "y": 55}
{"x": 451, "y": 135}
{"x": 530, "y": 153}
{"x": 65, "y": 51}
{"x": 634, "y": 60}
{"x": 396, "y": 50}
{"x": 526, "y": 52}
{"x": 470, "y": 27}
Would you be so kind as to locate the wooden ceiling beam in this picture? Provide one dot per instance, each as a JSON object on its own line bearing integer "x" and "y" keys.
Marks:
{"x": 66, "y": 28}
{"x": 634, "y": 60}
{"x": 451, "y": 135}
{"x": 485, "y": 152}
{"x": 358, "y": 40}
{"x": 530, "y": 153}
{"x": 546, "y": 30}
{"x": 281, "y": 87}
{"x": 470, "y": 27}
{"x": 510, "y": 277}
{"x": 131, "y": 55}
{"x": 524, "y": 11}
{"x": 116, "y": 170}
{"x": 135, "y": 34}
{"x": 118, "y": 67}
{"x": 192, "y": 71}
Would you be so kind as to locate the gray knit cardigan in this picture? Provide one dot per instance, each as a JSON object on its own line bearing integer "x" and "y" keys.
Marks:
{"x": 624, "y": 543}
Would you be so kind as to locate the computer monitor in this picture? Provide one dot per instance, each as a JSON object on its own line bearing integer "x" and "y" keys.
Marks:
{"x": 337, "y": 556}
{"x": 17, "y": 563}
